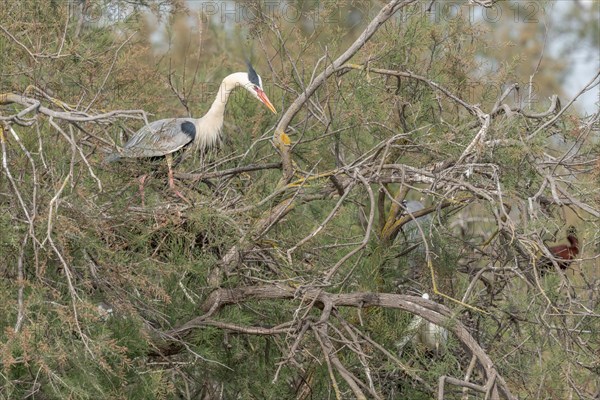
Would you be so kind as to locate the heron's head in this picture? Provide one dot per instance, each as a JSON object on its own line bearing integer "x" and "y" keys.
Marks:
{"x": 412, "y": 206}
{"x": 255, "y": 87}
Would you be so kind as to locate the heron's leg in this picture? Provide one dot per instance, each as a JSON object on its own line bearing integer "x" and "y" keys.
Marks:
{"x": 142, "y": 180}
{"x": 169, "y": 159}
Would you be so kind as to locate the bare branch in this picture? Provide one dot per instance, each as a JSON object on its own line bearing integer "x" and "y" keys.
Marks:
{"x": 384, "y": 14}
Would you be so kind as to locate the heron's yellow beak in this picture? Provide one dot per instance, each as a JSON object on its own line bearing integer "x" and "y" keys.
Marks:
{"x": 263, "y": 97}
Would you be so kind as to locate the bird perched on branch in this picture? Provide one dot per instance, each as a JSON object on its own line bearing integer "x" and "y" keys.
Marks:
{"x": 563, "y": 254}
{"x": 166, "y": 136}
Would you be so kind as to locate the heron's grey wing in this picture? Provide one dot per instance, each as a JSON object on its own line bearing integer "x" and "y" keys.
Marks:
{"x": 413, "y": 206}
{"x": 160, "y": 137}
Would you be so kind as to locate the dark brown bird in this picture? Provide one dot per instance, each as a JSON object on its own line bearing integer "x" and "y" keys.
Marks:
{"x": 563, "y": 254}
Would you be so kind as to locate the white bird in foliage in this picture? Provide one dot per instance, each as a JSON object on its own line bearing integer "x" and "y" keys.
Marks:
{"x": 428, "y": 334}
{"x": 166, "y": 136}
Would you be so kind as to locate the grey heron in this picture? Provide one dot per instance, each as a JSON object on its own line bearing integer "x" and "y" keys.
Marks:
{"x": 412, "y": 233}
{"x": 166, "y": 136}
{"x": 412, "y": 206}
{"x": 433, "y": 337}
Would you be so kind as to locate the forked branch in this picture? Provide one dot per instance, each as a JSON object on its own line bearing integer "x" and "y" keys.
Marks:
{"x": 429, "y": 310}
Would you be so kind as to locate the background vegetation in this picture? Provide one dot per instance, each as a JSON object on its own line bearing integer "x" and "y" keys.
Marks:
{"x": 296, "y": 269}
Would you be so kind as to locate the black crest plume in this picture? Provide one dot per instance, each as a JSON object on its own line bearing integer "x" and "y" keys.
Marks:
{"x": 252, "y": 75}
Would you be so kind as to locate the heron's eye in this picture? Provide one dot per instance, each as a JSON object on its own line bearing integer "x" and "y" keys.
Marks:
{"x": 256, "y": 88}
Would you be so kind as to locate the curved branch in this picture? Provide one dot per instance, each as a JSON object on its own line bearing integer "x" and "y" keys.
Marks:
{"x": 431, "y": 311}
{"x": 73, "y": 116}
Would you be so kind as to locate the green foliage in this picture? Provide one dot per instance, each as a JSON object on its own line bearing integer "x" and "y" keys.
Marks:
{"x": 74, "y": 233}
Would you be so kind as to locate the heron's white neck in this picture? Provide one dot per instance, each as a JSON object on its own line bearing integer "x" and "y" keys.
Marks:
{"x": 227, "y": 86}
{"x": 209, "y": 126}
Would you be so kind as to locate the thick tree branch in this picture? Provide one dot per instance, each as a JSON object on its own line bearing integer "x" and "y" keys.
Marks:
{"x": 73, "y": 116}
{"x": 431, "y": 311}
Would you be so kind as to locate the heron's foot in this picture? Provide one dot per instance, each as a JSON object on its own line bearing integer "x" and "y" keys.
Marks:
{"x": 182, "y": 197}
{"x": 176, "y": 191}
